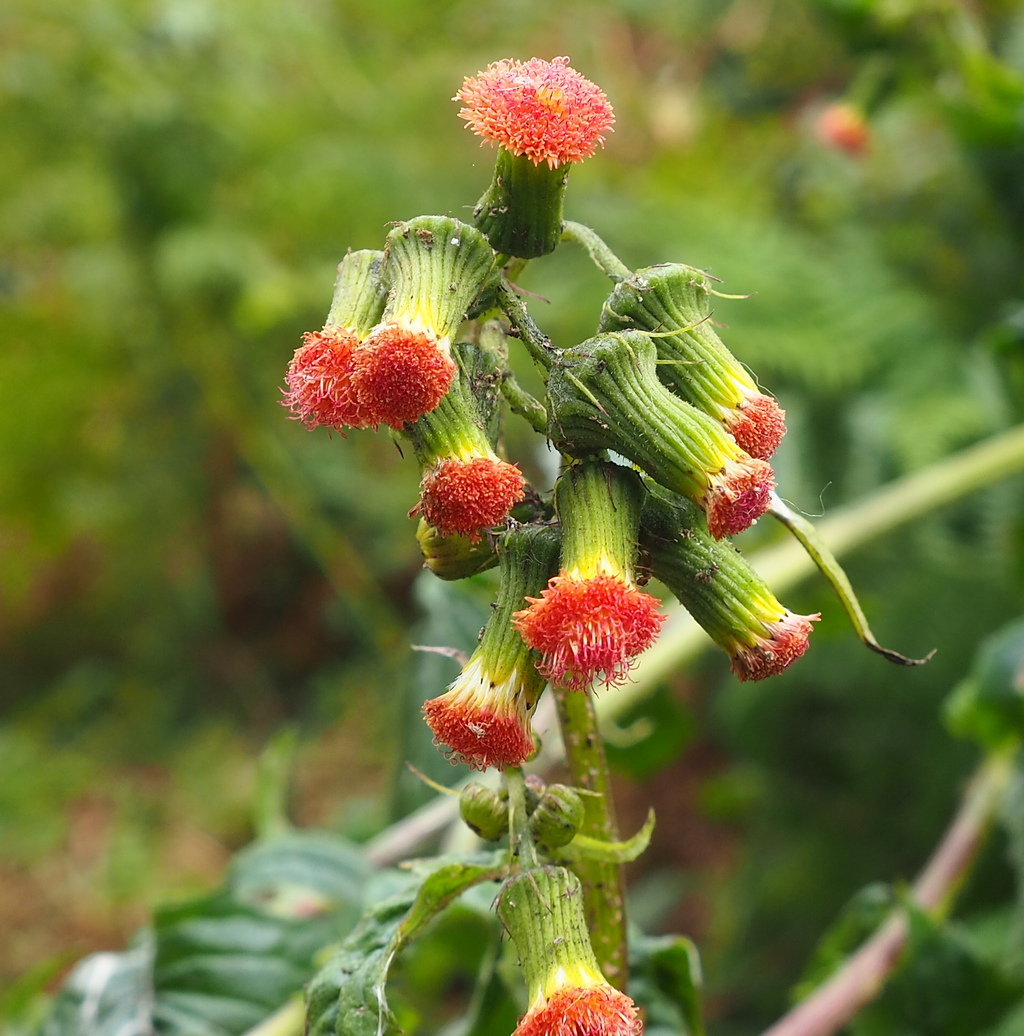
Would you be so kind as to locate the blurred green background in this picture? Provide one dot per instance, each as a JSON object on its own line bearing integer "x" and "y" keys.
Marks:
{"x": 183, "y": 571}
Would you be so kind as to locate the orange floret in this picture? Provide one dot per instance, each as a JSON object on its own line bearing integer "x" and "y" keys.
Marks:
{"x": 401, "y": 374}
{"x": 589, "y": 629}
{"x": 544, "y": 110}
{"x": 319, "y": 381}
{"x": 481, "y": 722}
{"x": 465, "y": 497}
{"x": 757, "y": 424}
{"x": 739, "y": 494}
{"x": 783, "y": 642}
{"x": 599, "y": 1010}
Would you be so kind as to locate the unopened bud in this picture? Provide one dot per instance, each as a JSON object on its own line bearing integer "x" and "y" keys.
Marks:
{"x": 558, "y": 817}
{"x": 483, "y": 811}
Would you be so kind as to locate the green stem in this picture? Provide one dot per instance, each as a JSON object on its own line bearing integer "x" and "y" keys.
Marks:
{"x": 603, "y": 257}
{"x": 603, "y": 883}
{"x": 862, "y": 976}
{"x": 519, "y": 836}
{"x": 289, "y": 1020}
{"x": 522, "y": 403}
{"x": 537, "y": 343}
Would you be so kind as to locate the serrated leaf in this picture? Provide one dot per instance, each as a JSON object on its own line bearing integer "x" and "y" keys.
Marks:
{"x": 106, "y": 994}
{"x": 665, "y": 980}
{"x": 988, "y": 706}
{"x": 347, "y": 997}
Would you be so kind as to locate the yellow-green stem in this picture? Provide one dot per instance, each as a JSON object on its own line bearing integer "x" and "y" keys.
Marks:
{"x": 603, "y": 883}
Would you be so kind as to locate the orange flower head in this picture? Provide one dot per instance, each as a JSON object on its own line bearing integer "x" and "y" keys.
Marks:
{"x": 483, "y": 722}
{"x": 757, "y": 424}
{"x": 782, "y": 643}
{"x": 319, "y": 381}
{"x": 842, "y": 127}
{"x": 589, "y": 629}
{"x": 544, "y": 110}
{"x": 598, "y": 1010}
{"x": 739, "y": 494}
{"x": 464, "y": 497}
{"x": 400, "y": 373}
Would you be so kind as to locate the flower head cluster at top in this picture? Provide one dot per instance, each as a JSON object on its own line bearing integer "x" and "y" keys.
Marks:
{"x": 665, "y": 437}
{"x": 543, "y": 110}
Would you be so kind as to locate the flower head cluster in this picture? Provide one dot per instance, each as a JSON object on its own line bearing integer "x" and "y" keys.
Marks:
{"x": 543, "y": 110}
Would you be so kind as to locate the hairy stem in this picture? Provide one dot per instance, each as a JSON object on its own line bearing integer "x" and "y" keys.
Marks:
{"x": 604, "y": 885}
{"x": 862, "y": 976}
{"x": 603, "y": 257}
{"x": 538, "y": 345}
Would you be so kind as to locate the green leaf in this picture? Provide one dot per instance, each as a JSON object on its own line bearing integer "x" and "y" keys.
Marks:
{"x": 864, "y": 912}
{"x": 347, "y": 997}
{"x": 665, "y": 980}
{"x": 106, "y": 994}
{"x": 587, "y": 848}
{"x": 988, "y": 706}
{"x": 942, "y": 988}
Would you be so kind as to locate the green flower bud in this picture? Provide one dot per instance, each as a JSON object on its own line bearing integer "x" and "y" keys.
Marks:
{"x": 558, "y": 817}
{"x": 483, "y": 811}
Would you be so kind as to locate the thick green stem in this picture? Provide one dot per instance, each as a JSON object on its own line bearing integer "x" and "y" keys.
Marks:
{"x": 603, "y": 257}
{"x": 603, "y": 883}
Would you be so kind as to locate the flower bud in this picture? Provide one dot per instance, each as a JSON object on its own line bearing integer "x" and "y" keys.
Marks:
{"x": 535, "y": 787}
{"x": 484, "y": 811}
{"x": 433, "y": 266}
{"x": 483, "y": 718}
{"x": 465, "y": 487}
{"x": 542, "y": 910}
{"x": 558, "y": 816}
{"x": 319, "y": 376}
{"x": 591, "y": 621}
{"x": 726, "y": 597}
{"x": 674, "y": 302}
{"x": 454, "y": 557}
{"x": 544, "y": 116}
{"x": 604, "y": 394}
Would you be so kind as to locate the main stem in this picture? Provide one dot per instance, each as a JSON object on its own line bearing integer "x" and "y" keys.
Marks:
{"x": 604, "y": 886}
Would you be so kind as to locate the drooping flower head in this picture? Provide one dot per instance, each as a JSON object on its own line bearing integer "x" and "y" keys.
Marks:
{"x": 465, "y": 487}
{"x": 673, "y": 302}
{"x": 482, "y": 720}
{"x": 542, "y": 909}
{"x": 544, "y": 116}
{"x": 605, "y": 394}
{"x": 720, "y": 590}
{"x": 319, "y": 377}
{"x": 433, "y": 267}
{"x": 543, "y": 110}
{"x": 592, "y": 621}
{"x": 842, "y": 126}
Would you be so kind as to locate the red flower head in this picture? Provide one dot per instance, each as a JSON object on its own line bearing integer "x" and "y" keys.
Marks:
{"x": 319, "y": 381}
{"x": 842, "y": 127}
{"x": 589, "y": 629}
{"x": 543, "y": 110}
{"x": 483, "y": 722}
{"x": 757, "y": 424}
{"x": 400, "y": 373}
{"x": 464, "y": 497}
{"x": 599, "y": 1010}
{"x": 738, "y": 495}
{"x": 783, "y": 641}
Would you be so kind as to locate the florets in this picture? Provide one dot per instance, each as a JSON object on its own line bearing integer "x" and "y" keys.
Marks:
{"x": 782, "y": 643}
{"x": 757, "y": 424}
{"x": 595, "y": 1011}
{"x": 465, "y": 497}
{"x": 739, "y": 494}
{"x": 544, "y": 110}
{"x": 482, "y": 722}
{"x": 319, "y": 379}
{"x": 589, "y": 629}
{"x": 399, "y": 374}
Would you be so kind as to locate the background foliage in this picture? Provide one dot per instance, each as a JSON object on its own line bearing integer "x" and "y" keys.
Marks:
{"x": 184, "y": 571}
